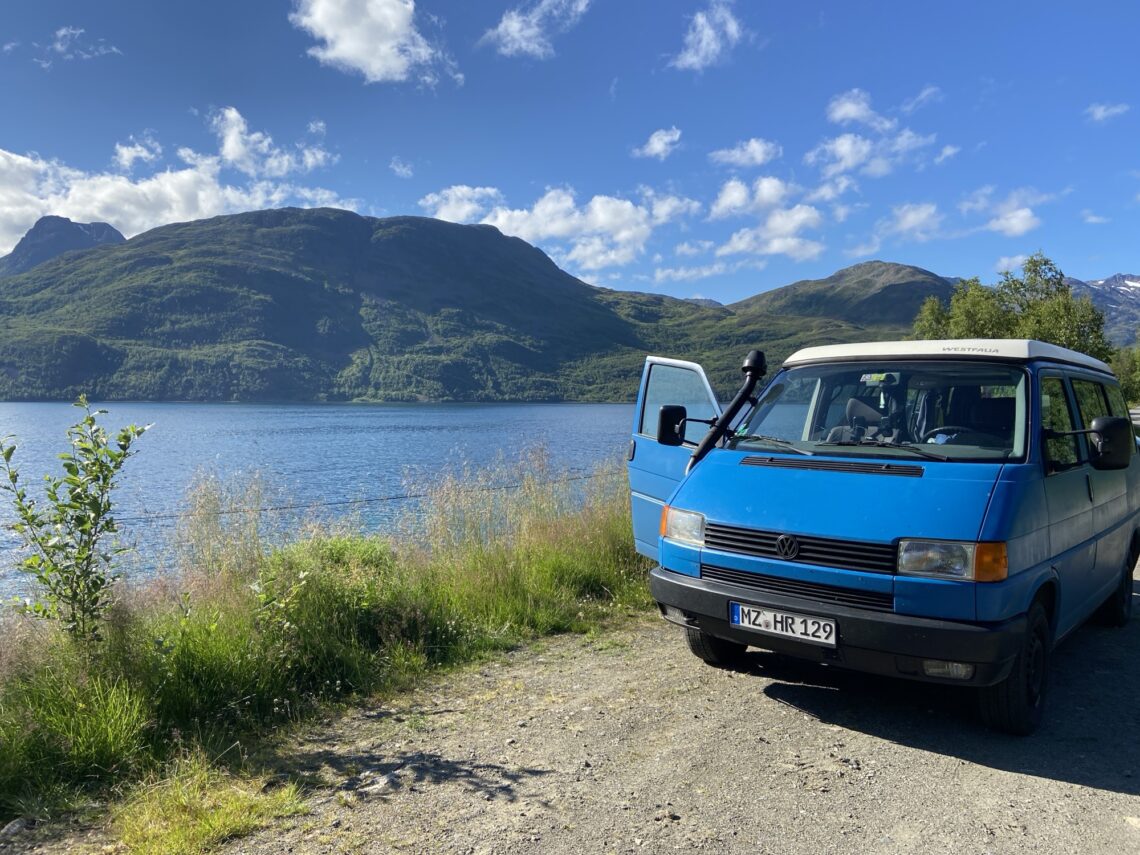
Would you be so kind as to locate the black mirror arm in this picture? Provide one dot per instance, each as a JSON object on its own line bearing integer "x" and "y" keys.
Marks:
{"x": 754, "y": 368}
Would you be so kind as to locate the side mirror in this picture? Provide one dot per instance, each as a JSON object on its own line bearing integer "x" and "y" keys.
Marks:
{"x": 671, "y": 424}
{"x": 1110, "y": 442}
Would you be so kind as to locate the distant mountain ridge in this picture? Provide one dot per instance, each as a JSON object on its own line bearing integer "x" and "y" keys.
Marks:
{"x": 325, "y": 304}
{"x": 52, "y": 236}
{"x": 1118, "y": 297}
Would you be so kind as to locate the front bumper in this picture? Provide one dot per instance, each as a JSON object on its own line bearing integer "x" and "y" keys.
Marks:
{"x": 869, "y": 641}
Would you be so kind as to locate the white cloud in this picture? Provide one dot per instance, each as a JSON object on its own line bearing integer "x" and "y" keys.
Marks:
{"x": 706, "y": 271}
{"x": 461, "y": 203}
{"x": 660, "y": 144}
{"x": 377, "y": 39}
{"x": 689, "y": 274}
{"x": 1014, "y": 222}
{"x": 665, "y": 208}
{"x": 978, "y": 200}
{"x": 778, "y": 235}
{"x": 840, "y": 213}
{"x": 919, "y": 221}
{"x": 1012, "y": 216}
{"x": 831, "y": 190}
{"x": 855, "y": 106}
{"x": 840, "y": 154}
{"x": 526, "y": 31}
{"x": 907, "y": 141}
{"x": 873, "y": 245}
{"x": 254, "y": 152}
{"x": 400, "y": 167}
{"x": 1010, "y": 263}
{"x": 318, "y": 128}
{"x": 32, "y": 186}
{"x": 605, "y": 232}
{"x": 712, "y": 33}
{"x": 928, "y": 95}
{"x": 69, "y": 44}
{"x": 8, "y": 47}
{"x": 916, "y": 221}
{"x": 948, "y": 151}
{"x": 736, "y": 198}
{"x": 691, "y": 248}
{"x": 877, "y": 167}
{"x": 1093, "y": 219}
{"x": 751, "y": 152}
{"x": 146, "y": 149}
{"x": 1104, "y": 112}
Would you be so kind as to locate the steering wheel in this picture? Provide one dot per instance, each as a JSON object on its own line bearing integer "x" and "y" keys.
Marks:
{"x": 945, "y": 429}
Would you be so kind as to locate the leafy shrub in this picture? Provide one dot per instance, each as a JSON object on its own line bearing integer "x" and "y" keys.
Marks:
{"x": 69, "y": 556}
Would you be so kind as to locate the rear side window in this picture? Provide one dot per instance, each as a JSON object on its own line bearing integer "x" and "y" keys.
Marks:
{"x": 671, "y": 384}
{"x": 1090, "y": 400}
{"x": 1061, "y": 452}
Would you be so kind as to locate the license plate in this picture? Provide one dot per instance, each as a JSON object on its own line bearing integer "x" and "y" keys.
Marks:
{"x": 813, "y": 630}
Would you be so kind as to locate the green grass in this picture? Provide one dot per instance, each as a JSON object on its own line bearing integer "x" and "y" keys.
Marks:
{"x": 243, "y": 641}
{"x": 195, "y": 807}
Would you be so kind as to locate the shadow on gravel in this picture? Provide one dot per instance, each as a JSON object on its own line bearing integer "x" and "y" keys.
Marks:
{"x": 1091, "y": 734}
{"x": 396, "y": 770}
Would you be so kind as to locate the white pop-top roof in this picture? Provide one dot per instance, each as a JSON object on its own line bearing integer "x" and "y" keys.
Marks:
{"x": 972, "y": 348}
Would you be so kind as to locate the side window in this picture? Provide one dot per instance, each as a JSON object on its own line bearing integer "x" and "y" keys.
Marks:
{"x": 1116, "y": 405}
{"x": 1091, "y": 402}
{"x": 1061, "y": 452}
{"x": 670, "y": 384}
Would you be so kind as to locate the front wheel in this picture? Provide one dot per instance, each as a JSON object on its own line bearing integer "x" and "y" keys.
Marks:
{"x": 1016, "y": 705}
{"x": 715, "y": 651}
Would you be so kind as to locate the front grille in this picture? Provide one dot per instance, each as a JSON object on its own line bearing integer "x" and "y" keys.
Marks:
{"x": 843, "y": 554}
{"x": 862, "y": 467}
{"x": 806, "y": 590}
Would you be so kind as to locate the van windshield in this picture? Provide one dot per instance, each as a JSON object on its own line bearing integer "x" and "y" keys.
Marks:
{"x": 967, "y": 411}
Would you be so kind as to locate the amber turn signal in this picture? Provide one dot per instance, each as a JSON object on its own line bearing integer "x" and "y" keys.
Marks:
{"x": 991, "y": 562}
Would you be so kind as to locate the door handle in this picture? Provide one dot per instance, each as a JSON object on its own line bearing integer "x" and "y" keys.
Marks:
{"x": 1088, "y": 481}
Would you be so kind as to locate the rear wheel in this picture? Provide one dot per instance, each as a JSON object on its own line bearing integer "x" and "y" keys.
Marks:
{"x": 715, "y": 651}
{"x": 1117, "y": 609}
{"x": 1017, "y": 703}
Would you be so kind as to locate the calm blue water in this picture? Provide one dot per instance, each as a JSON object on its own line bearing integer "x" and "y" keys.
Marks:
{"x": 307, "y": 456}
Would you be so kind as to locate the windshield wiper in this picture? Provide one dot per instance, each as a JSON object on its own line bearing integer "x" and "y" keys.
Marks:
{"x": 775, "y": 440}
{"x": 878, "y": 443}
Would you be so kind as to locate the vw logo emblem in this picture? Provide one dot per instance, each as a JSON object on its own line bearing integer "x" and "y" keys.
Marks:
{"x": 787, "y": 547}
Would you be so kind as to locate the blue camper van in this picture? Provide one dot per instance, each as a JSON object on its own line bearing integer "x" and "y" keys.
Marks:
{"x": 935, "y": 510}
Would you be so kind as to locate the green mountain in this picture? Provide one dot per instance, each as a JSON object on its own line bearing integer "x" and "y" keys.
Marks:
{"x": 324, "y": 304}
{"x": 876, "y": 292}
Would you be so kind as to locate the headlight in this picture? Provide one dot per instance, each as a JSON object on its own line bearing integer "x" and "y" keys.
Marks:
{"x": 685, "y": 526}
{"x": 944, "y": 559}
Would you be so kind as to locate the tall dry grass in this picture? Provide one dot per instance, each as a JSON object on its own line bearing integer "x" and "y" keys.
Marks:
{"x": 242, "y": 637}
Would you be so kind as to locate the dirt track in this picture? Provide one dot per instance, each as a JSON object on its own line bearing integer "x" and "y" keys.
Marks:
{"x": 628, "y": 743}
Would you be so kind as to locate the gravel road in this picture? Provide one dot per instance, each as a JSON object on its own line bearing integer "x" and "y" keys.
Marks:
{"x": 627, "y": 743}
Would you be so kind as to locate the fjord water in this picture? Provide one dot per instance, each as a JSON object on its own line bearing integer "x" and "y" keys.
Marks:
{"x": 323, "y": 461}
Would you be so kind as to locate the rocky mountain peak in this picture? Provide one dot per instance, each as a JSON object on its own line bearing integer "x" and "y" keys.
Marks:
{"x": 52, "y": 236}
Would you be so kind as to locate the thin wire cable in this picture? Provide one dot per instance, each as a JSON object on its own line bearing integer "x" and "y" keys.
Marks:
{"x": 160, "y": 517}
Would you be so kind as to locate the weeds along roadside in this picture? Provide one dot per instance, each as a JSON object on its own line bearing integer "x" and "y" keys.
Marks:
{"x": 239, "y": 641}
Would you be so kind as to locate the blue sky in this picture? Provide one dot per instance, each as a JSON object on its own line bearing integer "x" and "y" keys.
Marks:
{"x": 708, "y": 148}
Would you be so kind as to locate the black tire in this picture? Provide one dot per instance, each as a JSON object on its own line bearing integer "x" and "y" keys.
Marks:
{"x": 715, "y": 651}
{"x": 1117, "y": 609}
{"x": 1016, "y": 705}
